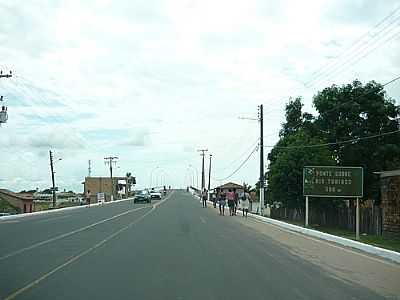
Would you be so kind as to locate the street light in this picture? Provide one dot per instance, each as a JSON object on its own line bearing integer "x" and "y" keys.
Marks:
{"x": 197, "y": 175}
{"x": 191, "y": 176}
{"x": 151, "y": 176}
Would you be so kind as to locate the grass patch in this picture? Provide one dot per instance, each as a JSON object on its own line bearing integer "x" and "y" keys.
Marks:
{"x": 6, "y": 207}
{"x": 390, "y": 243}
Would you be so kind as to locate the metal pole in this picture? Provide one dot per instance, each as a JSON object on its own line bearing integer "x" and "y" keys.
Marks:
{"x": 358, "y": 219}
{"x": 306, "y": 222}
{"x": 151, "y": 176}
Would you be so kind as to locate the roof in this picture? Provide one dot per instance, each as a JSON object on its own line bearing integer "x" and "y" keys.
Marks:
{"x": 230, "y": 185}
{"x": 20, "y": 196}
{"x": 384, "y": 174}
{"x": 105, "y": 178}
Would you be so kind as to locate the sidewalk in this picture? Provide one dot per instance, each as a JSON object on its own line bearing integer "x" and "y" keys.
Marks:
{"x": 377, "y": 251}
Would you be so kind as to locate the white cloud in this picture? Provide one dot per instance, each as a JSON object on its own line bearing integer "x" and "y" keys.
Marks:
{"x": 163, "y": 78}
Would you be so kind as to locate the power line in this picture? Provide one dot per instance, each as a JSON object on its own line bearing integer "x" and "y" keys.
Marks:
{"x": 337, "y": 143}
{"x": 320, "y": 70}
{"x": 355, "y": 49}
{"x": 355, "y": 59}
{"x": 356, "y": 98}
{"x": 240, "y": 156}
{"x": 240, "y": 166}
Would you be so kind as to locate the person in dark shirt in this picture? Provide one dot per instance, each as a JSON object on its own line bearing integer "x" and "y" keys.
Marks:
{"x": 222, "y": 203}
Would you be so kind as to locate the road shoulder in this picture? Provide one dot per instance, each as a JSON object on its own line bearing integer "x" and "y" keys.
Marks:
{"x": 343, "y": 263}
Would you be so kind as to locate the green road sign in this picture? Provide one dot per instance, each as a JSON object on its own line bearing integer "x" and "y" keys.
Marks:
{"x": 319, "y": 181}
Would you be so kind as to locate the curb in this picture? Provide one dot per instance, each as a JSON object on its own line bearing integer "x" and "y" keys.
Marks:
{"x": 43, "y": 212}
{"x": 380, "y": 252}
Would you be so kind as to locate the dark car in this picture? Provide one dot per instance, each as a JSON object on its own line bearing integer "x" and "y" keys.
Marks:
{"x": 142, "y": 196}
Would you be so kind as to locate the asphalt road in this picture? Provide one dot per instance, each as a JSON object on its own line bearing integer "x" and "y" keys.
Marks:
{"x": 173, "y": 249}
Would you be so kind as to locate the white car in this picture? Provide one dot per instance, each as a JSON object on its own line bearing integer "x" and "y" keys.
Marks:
{"x": 155, "y": 195}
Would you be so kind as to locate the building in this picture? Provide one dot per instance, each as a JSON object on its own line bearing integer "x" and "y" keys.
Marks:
{"x": 120, "y": 187}
{"x": 22, "y": 202}
{"x": 231, "y": 186}
{"x": 390, "y": 202}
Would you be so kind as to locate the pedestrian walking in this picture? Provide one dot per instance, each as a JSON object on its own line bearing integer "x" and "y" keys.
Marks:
{"x": 230, "y": 196}
{"x": 245, "y": 203}
{"x": 88, "y": 197}
{"x": 204, "y": 197}
{"x": 236, "y": 202}
{"x": 214, "y": 199}
{"x": 222, "y": 203}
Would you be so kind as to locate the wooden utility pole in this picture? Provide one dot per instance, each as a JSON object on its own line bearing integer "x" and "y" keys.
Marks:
{"x": 3, "y": 111}
{"x": 203, "y": 183}
{"x": 110, "y": 161}
{"x": 262, "y": 180}
{"x": 53, "y": 189}
{"x": 209, "y": 175}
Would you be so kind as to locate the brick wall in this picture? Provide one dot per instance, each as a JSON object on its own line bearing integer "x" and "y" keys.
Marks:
{"x": 390, "y": 193}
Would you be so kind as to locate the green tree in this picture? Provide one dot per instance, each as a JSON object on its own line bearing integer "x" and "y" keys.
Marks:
{"x": 285, "y": 175}
{"x": 353, "y": 111}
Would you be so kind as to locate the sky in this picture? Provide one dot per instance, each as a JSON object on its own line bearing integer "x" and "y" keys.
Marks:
{"x": 153, "y": 81}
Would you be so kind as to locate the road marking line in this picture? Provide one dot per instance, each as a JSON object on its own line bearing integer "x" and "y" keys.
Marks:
{"x": 64, "y": 235}
{"x": 328, "y": 243}
{"x": 51, "y": 219}
{"x": 76, "y": 257}
{"x": 8, "y": 222}
{"x": 202, "y": 220}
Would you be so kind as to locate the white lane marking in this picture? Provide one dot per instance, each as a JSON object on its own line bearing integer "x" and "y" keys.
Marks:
{"x": 64, "y": 235}
{"x": 329, "y": 244}
{"x": 51, "y": 219}
{"x": 76, "y": 257}
{"x": 8, "y": 222}
{"x": 202, "y": 220}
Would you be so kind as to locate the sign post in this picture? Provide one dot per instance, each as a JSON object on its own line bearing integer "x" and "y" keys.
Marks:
{"x": 333, "y": 182}
{"x": 358, "y": 220}
{"x": 306, "y": 222}
{"x": 100, "y": 197}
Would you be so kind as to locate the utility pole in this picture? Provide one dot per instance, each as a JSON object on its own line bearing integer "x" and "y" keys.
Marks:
{"x": 110, "y": 161}
{"x": 3, "y": 111}
{"x": 262, "y": 180}
{"x": 89, "y": 168}
{"x": 52, "y": 178}
{"x": 203, "y": 184}
{"x": 209, "y": 178}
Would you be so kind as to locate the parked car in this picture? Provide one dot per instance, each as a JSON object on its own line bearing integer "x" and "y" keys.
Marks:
{"x": 142, "y": 196}
{"x": 155, "y": 195}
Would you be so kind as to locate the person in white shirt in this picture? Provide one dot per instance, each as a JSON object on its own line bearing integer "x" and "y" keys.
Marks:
{"x": 244, "y": 203}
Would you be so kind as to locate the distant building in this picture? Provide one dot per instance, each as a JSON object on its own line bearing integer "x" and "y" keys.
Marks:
{"x": 390, "y": 202}
{"x": 21, "y": 201}
{"x": 96, "y": 185}
{"x": 230, "y": 186}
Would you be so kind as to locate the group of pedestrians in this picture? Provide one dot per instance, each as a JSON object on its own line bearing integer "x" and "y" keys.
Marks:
{"x": 234, "y": 199}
